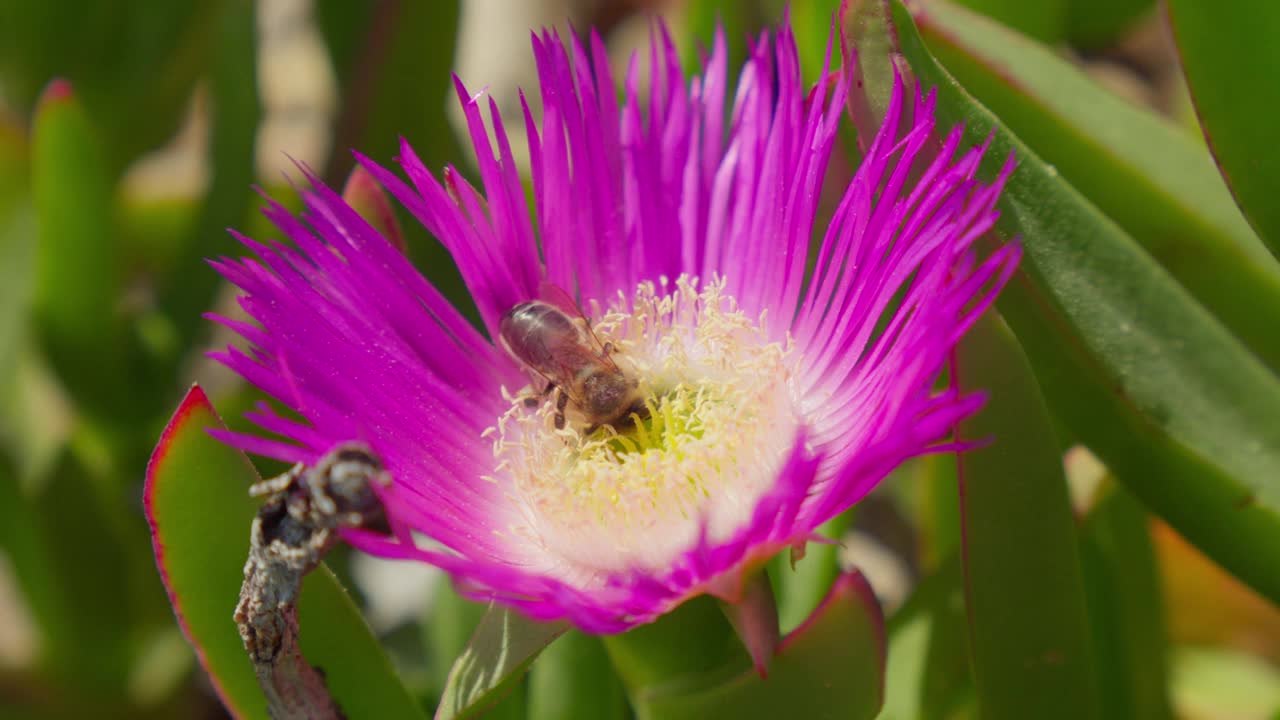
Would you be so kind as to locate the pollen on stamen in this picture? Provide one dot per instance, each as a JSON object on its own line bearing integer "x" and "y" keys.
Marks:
{"x": 720, "y": 416}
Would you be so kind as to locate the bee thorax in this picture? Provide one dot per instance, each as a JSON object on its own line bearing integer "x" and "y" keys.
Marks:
{"x": 607, "y": 394}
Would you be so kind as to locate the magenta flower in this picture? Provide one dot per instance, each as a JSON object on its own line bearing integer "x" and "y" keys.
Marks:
{"x": 766, "y": 380}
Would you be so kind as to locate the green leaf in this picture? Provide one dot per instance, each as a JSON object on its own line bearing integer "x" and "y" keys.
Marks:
{"x": 64, "y": 553}
{"x": 1183, "y": 414}
{"x": 236, "y": 110}
{"x": 17, "y": 254}
{"x": 106, "y": 48}
{"x": 199, "y": 510}
{"x": 336, "y": 639}
{"x": 77, "y": 281}
{"x": 136, "y": 63}
{"x": 1143, "y": 172}
{"x": 1126, "y": 610}
{"x": 933, "y": 494}
{"x": 573, "y": 680}
{"x": 1231, "y": 61}
{"x": 1045, "y": 19}
{"x": 928, "y": 675}
{"x": 740, "y": 20}
{"x": 830, "y": 667}
{"x": 494, "y": 661}
{"x": 1028, "y": 622}
{"x": 811, "y": 23}
{"x": 1098, "y": 23}
{"x": 448, "y": 624}
{"x": 393, "y": 63}
{"x": 693, "y": 639}
{"x": 802, "y": 584}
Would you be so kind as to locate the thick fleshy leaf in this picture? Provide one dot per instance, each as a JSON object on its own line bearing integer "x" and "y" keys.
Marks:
{"x": 135, "y": 62}
{"x": 199, "y": 510}
{"x": 1045, "y": 19}
{"x": 76, "y": 268}
{"x": 1024, "y": 590}
{"x": 1184, "y": 415}
{"x": 740, "y": 20}
{"x": 573, "y": 680}
{"x": 448, "y": 622}
{"x": 392, "y": 62}
{"x": 802, "y": 583}
{"x": 63, "y": 552}
{"x": 830, "y": 667}
{"x": 1231, "y": 61}
{"x": 692, "y": 640}
{"x": 1097, "y": 23}
{"x": 494, "y": 661}
{"x": 1148, "y": 175}
{"x": 928, "y": 676}
{"x": 1126, "y": 610}
{"x": 17, "y": 250}
{"x": 233, "y": 93}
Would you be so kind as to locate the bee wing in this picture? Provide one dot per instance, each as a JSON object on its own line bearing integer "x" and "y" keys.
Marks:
{"x": 559, "y": 297}
{"x": 553, "y": 294}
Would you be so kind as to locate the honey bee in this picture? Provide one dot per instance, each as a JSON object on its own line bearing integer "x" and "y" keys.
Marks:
{"x": 576, "y": 365}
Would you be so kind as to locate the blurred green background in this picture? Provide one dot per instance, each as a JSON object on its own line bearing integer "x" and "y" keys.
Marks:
{"x": 115, "y": 185}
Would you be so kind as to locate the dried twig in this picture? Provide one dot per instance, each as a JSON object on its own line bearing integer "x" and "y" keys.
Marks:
{"x": 290, "y": 536}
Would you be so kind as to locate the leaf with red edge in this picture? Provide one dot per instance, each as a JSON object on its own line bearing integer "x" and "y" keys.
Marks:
{"x": 199, "y": 510}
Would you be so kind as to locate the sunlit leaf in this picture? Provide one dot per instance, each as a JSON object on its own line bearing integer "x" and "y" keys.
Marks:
{"x": 199, "y": 510}
{"x": 1148, "y": 175}
{"x": 1184, "y": 415}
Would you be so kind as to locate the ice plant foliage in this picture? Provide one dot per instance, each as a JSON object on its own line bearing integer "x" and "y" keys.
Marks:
{"x": 783, "y": 369}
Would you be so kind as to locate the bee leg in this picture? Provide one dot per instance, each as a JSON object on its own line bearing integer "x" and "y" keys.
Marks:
{"x": 608, "y": 348}
{"x": 562, "y": 400}
{"x": 534, "y": 400}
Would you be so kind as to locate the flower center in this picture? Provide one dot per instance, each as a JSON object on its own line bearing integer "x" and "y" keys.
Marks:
{"x": 716, "y": 422}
